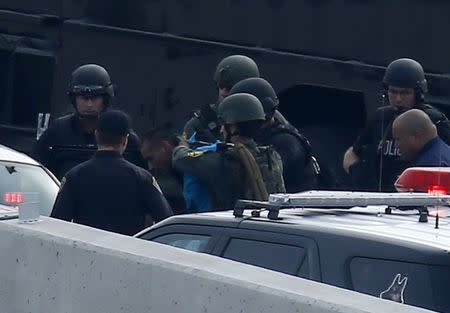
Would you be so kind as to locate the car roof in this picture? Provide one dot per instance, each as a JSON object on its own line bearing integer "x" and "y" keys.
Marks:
{"x": 221, "y": 219}
{"x": 370, "y": 222}
{"x": 10, "y": 155}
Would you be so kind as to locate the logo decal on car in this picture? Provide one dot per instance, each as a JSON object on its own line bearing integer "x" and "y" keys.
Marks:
{"x": 395, "y": 291}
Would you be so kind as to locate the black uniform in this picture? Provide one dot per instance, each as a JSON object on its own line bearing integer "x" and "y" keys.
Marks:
{"x": 72, "y": 146}
{"x": 204, "y": 123}
{"x": 377, "y": 139}
{"x": 295, "y": 152}
{"x": 110, "y": 193}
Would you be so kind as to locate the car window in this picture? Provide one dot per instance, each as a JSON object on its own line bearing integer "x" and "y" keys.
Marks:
{"x": 415, "y": 284}
{"x": 278, "y": 257}
{"x": 23, "y": 184}
{"x": 196, "y": 243}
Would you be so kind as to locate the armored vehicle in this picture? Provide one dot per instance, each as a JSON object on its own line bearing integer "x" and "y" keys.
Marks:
{"x": 325, "y": 58}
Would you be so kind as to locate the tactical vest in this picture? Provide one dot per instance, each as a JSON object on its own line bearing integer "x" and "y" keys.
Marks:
{"x": 289, "y": 129}
{"x": 271, "y": 167}
{"x": 70, "y": 146}
{"x": 380, "y": 154}
{"x": 321, "y": 177}
{"x": 263, "y": 170}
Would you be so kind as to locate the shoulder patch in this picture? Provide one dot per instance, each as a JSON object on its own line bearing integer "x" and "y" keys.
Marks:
{"x": 194, "y": 154}
{"x": 63, "y": 181}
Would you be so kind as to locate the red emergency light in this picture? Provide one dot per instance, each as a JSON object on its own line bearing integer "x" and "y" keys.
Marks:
{"x": 13, "y": 198}
{"x": 434, "y": 180}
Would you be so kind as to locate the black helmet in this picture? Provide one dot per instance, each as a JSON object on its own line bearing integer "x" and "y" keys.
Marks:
{"x": 91, "y": 80}
{"x": 261, "y": 89}
{"x": 233, "y": 69}
{"x": 240, "y": 107}
{"x": 406, "y": 73}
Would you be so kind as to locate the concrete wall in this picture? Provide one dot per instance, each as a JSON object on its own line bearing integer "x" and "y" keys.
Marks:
{"x": 54, "y": 266}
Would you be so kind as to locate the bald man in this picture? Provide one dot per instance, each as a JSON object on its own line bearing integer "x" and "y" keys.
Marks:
{"x": 417, "y": 139}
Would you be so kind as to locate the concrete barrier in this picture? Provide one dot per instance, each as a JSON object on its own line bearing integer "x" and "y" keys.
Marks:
{"x": 54, "y": 266}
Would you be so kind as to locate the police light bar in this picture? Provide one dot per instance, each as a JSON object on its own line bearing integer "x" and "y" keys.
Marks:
{"x": 13, "y": 198}
{"x": 329, "y": 199}
{"x": 434, "y": 180}
{"x": 342, "y": 199}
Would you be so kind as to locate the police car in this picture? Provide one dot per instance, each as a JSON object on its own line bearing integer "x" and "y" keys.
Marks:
{"x": 23, "y": 181}
{"x": 390, "y": 245}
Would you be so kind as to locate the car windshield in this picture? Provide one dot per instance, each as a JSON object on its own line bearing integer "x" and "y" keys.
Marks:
{"x": 25, "y": 184}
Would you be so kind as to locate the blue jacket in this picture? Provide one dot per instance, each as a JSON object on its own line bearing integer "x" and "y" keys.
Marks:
{"x": 435, "y": 153}
{"x": 196, "y": 192}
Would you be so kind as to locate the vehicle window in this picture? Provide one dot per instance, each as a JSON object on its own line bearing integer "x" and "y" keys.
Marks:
{"x": 415, "y": 284}
{"x": 22, "y": 184}
{"x": 278, "y": 257}
{"x": 196, "y": 243}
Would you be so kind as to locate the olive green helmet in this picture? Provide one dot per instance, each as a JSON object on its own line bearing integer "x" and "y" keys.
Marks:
{"x": 233, "y": 69}
{"x": 240, "y": 107}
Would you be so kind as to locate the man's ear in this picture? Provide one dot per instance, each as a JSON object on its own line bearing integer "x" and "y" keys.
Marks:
{"x": 125, "y": 143}
{"x": 166, "y": 146}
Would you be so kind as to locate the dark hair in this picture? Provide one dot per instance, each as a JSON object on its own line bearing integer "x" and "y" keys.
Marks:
{"x": 249, "y": 129}
{"x": 108, "y": 139}
{"x": 162, "y": 133}
{"x": 112, "y": 126}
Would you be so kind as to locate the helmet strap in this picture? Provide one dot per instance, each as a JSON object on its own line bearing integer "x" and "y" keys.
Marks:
{"x": 229, "y": 133}
{"x": 420, "y": 97}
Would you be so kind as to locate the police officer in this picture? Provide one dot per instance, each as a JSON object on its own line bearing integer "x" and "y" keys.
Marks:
{"x": 108, "y": 192}
{"x": 229, "y": 71}
{"x": 295, "y": 150}
{"x": 239, "y": 169}
{"x": 70, "y": 139}
{"x": 416, "y": 138}
{"x": 374, "y": 161}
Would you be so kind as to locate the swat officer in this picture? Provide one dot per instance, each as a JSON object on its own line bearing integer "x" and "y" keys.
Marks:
{"x": 108, "y": 192}
{"x": 70, "y": 139}
{"x": 229, "y": 71}
{"x": 375, "y": 153}
{"x": 238, "y": 169}
{"x": 299, "y": 171}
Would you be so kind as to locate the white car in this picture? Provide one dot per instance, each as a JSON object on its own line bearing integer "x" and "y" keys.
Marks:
{"x": 24, "y": 180}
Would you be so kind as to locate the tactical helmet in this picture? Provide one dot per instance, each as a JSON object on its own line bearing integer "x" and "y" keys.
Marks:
{"x": 90, "y": 80}
{"x": 240, "y": 107}
{"x": 406, "y": 73}
{"x": 261, "y": 89}
{"x": 233, "y": 69}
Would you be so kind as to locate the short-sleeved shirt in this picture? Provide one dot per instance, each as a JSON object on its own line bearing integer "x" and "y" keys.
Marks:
{"x": 110, "y": 193}
{"x": 435, "y": 153}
